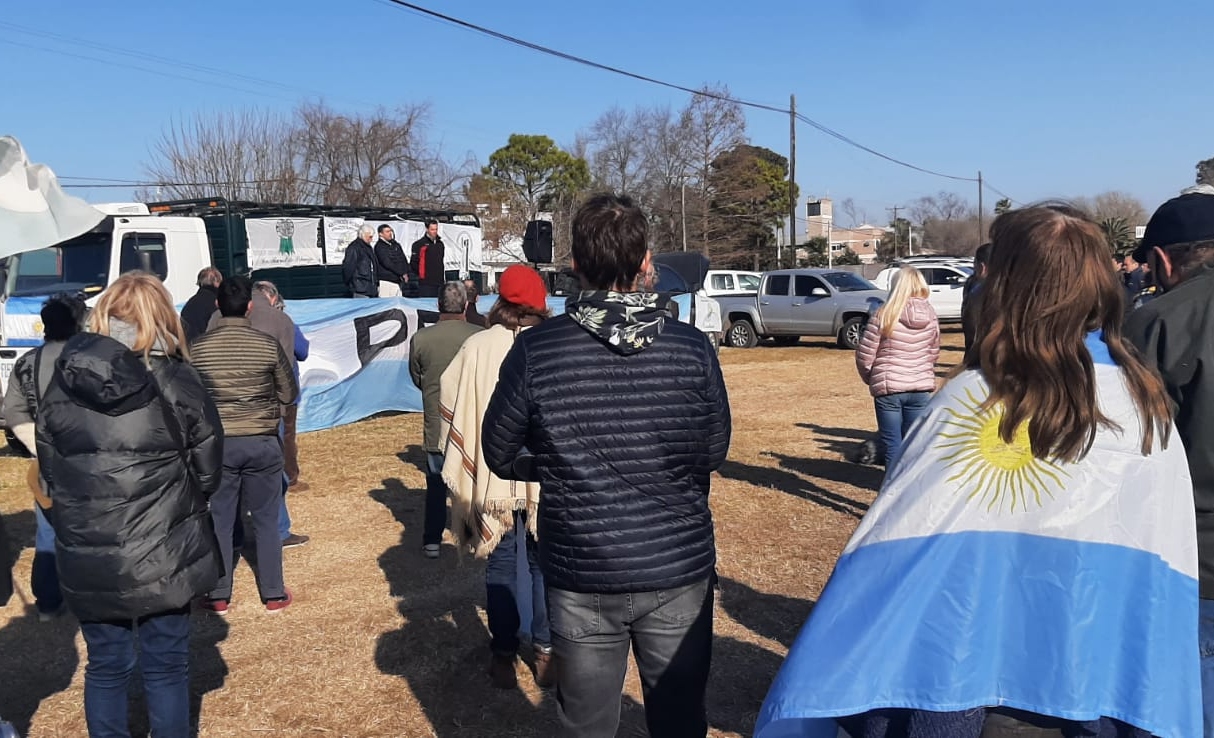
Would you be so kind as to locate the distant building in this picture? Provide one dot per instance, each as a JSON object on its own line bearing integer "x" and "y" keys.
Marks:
{"x": 862, "y": 240}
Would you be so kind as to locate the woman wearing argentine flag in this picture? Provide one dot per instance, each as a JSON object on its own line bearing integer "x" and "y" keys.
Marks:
{"x": 1029, "y": 567}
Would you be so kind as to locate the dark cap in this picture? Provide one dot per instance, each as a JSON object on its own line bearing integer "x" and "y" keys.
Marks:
{"x": 1185, "y": 219}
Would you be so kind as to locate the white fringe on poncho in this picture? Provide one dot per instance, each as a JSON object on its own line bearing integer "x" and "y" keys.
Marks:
{"x": 482, "y": 503}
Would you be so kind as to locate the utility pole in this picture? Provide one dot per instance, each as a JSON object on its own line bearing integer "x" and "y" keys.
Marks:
{"x": 895, "y": 210}
{"x": 792, "y": 178}
{"x": 683, "y": 200}
{"x": 981, "y": 227}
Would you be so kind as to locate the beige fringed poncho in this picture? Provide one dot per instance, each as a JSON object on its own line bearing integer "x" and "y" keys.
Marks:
{"x": 482, "y": 503}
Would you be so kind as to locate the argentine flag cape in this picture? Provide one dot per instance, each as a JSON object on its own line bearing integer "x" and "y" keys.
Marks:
{"x": 984, "y": 576}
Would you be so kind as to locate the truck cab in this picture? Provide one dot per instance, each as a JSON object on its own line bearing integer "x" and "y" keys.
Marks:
{"x": 129, "y": 237}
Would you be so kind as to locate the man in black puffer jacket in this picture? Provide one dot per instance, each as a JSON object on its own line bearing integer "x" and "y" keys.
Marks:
{"x": 625, "y": 413}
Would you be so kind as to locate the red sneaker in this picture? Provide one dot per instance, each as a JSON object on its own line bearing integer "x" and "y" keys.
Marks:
{"x": 280, "y": 605}
{"x": 219, "y": 607}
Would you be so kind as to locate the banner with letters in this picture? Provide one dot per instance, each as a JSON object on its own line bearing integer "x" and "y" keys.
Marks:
{"x": 283, "y": 242}
{"x": 358, "y": 359}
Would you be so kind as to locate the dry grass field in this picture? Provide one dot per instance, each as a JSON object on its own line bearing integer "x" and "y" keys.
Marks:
{"x": 383, "y": 642}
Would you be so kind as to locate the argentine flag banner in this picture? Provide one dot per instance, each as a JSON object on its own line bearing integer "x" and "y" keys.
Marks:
{"x": 984, "y": 576}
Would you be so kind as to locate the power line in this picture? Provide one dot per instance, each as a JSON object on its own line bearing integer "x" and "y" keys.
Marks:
{"x": 652, "y": 80}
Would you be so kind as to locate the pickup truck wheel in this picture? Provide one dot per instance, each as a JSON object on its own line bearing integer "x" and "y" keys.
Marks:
{"x": 742, "y": 334}
{"x": 850, "y": 333}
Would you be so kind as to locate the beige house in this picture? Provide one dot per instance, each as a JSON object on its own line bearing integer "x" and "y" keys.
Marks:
{"x": 862, "y": 239}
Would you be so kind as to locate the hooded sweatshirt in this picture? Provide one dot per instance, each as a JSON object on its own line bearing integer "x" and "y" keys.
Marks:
{"x": 904, "y": 361}
{"x": 625, "y": 414}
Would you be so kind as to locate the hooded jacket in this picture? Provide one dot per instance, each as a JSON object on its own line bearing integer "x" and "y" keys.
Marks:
{"x": 130, "y": 455}
{"x": 626, "y": 413}
{"x": 905, "y": 361}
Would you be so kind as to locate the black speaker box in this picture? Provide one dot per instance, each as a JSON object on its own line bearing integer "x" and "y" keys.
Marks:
{"x": 537, "y": 242}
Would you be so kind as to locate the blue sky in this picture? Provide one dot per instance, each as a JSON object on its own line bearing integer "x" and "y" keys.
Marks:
{"x": 1046, "y": 98}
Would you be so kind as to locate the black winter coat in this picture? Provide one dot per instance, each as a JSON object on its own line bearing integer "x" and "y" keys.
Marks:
{"x": 1174, "y": 332}
{"x": 197, "y": 311}
{"x": 360, "y": 270}
{"x": 130, "y": 456}
{"x": 623, "y": 448}
{"x": 426, "y": 262}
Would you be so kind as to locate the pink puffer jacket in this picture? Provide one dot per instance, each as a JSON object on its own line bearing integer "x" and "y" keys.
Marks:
{"x": 906, "y": 361}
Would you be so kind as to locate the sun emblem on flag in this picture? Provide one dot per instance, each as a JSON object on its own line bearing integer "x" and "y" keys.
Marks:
{"x": 993, "y": 471}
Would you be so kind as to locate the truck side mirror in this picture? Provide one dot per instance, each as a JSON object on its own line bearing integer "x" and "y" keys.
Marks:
{"x": 819, "y": 292}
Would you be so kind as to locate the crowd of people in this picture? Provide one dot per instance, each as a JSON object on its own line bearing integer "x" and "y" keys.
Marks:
{"x": 1038, "y": 562}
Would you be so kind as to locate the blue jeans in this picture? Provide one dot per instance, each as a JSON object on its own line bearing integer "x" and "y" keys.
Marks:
{"x": 895, "y": 413}
{"x": 1205, "y": 641}
{"x": 670, "y": 632}
{"x": 435, "y": 519}
{"x": 501, "y": 586}
{"x": 44, "y": 577}
{"x": 164, "y": 659}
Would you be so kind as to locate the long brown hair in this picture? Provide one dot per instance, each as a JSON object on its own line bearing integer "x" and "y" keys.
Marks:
{"x": 140, "y": 298}
{"x": 1047, "y": 286}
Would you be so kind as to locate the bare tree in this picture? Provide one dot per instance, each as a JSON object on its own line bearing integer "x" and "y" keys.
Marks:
{"x": 950, "y": 223}
{"x": 240, "y": 155}
{"x": 315, "y": 156}
{"x": 616, "y": 152}
{"x": 381, "y": 159}
{"x": 713, "y": 124}
{"x": 855, "y": 215}
{"x": 1112, "y": 205}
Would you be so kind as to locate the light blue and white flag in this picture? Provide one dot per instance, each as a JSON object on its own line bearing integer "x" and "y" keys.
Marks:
{"x": 984, "y": 576}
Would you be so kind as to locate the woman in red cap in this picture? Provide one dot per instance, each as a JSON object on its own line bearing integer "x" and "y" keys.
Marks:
{"x": 487, "y": 512}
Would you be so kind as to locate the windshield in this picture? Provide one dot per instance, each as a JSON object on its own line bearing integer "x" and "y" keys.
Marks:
{"x": 848, "y": 282}
{"x": 79, "y": 265}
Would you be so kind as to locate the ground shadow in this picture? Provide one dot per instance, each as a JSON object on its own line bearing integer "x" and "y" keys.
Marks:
{"x": 772, "y": 616}
{"x": 208, "y": 670}
{"x": 37, "y": 661}
{"x": 795, "y": 485}
{"x": 740, "y": 677}
{"x": 742, "y": 672}
{"x": 847, "y": 472}
{"x": 415, "y": 455}
{"x": 442, "y": 649}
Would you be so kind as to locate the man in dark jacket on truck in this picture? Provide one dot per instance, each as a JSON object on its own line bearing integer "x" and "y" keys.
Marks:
{"x": 1175, "y": 333}
{"x": 359, "y": 268}
{"x": 250, "y": 378}
{"x": 426, "y": 261}
{"x": 392, "y": 263}
{"x": 621, "y": 414}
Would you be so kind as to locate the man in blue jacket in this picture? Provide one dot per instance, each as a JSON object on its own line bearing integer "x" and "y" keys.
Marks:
{"x": 621, "y": 414}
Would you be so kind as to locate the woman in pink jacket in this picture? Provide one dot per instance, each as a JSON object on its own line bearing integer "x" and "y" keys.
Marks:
{"x": 897, "y": 358}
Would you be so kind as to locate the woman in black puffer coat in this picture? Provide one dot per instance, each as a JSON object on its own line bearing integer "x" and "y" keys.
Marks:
{"x": 131, "y": 447}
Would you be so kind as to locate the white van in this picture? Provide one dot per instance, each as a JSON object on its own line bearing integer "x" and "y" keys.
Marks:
{"x": 718, "y": 282}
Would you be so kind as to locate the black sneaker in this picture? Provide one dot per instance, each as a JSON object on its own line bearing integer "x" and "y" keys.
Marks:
{"x": 294, "y": 540}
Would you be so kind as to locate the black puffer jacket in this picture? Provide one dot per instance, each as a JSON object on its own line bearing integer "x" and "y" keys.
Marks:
{"x": 130, "y": 456}
{"x": 624, "y": 435}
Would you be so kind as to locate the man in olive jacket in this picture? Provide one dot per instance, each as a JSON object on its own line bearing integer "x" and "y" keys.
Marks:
{"x": 250, "y": 378}
{"x": 430, "y": 352}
